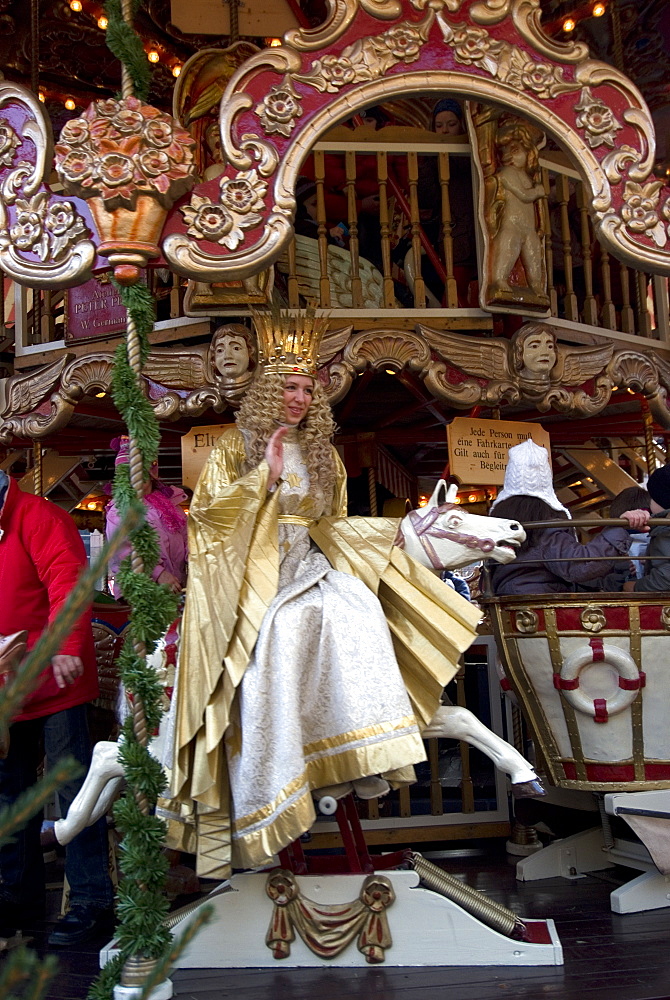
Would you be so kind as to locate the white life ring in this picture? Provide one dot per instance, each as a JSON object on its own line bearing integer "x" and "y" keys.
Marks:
{"x": 600, "y": 709}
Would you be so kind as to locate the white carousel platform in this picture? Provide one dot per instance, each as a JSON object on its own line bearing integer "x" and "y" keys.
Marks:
{"x": 427, "y": 930}
{"x": 648, "y": 815}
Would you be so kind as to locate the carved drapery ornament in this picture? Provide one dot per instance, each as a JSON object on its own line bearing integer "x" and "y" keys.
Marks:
{"x": 532, "y": 368}
{"x": 327, "y": 928}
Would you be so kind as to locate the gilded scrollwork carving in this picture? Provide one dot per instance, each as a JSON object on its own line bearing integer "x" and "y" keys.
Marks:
{"x": 640, "y": 210}
{"x": 598, "y": 121}
{"x": 593, "y": 618}
{"x": 527, "y": 621}
{"x": 368, "y": 58}
{"x": 223, "y": 222}
{"x": 280, "y": 108}
{"x": 508, "y": 63}
{"x": 44, "y": 239}
{"x": 492, "y": 51}
{"x": 381, "y": 348}
{"x": 22, "y": 393}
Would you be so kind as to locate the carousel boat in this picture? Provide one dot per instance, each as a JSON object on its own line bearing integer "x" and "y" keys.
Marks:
{"x": 591, "y": 675}
{"x": 592, "y": 679}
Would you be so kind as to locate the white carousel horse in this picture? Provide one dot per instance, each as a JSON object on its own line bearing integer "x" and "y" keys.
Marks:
{"x": 439, "y": 536}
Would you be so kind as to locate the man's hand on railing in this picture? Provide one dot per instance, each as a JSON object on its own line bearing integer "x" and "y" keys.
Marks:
{"x": 637, "y": 519}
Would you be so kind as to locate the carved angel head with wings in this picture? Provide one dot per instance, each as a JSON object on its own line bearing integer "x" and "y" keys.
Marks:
{"x": 232, "y": 352}
{"x": 534, "y": 352}
{"x": 532, "y": 363}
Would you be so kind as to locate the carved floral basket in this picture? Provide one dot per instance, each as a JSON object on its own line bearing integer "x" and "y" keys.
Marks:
{"x": 593, "y": 681}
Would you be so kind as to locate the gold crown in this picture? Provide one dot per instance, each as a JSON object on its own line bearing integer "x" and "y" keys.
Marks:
{"x": 288, "y": 341}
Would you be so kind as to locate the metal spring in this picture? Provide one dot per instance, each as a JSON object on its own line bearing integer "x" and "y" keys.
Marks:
{"x": 493, "y": 914}
{"x": 173, "y": 918}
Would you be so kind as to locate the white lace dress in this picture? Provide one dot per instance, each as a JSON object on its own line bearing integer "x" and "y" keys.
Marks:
{"x": 322, "y": 700}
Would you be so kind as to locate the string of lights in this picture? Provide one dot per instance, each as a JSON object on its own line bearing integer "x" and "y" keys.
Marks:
{"x": 568, "y": 22}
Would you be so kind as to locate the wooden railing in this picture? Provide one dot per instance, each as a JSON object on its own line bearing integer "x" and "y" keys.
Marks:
{"x": 413, "y": 271}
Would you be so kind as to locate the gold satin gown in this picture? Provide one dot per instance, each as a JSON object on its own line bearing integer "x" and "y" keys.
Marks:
{"x": 300, "y": 667}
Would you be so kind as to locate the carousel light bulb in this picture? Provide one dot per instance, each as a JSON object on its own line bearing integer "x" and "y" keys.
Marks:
{"x": 92, "y": 505}
{"x": 103, "y": 23}
{"x": 458, "y": 500}
{"x": 42, "y": 96}
{"x": 176, "y": 69}
{"x": 152, "y": 56}
{"x": 598, "y": 9}
{"x": 75, "y": 5}
{"x": 274, "y": 43}
{"x": 69, "y": 104}
{"x": 472, "y": 498}
{"x": 569, "y": 24}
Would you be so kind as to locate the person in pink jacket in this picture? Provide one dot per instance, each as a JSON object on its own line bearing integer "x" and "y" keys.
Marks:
{"x": 41, "y": 557}
{"x": 165, "y": 515}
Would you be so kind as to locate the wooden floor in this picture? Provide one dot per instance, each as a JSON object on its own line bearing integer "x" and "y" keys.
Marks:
{"x": 607, "y": 956}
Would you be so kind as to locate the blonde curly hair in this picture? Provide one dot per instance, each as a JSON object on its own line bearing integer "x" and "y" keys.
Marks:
{"x": 260, "y": 412}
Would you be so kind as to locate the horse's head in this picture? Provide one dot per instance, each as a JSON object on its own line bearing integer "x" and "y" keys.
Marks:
{"x": 443, "y": 536}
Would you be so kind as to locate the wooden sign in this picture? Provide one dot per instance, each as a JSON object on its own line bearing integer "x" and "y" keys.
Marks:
{"x": 478, "y": 448}
{"x": 195, "y": 448}
{"x": 93, "y": 309}
{"x": 211, "y": 17}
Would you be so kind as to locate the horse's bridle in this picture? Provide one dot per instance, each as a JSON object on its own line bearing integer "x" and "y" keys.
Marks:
{"x": 424, "y": 528}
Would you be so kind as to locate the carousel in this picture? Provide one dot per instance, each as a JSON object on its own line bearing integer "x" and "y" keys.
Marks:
{"x": 451, "y": 217}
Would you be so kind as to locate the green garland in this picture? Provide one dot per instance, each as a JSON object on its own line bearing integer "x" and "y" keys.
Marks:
{"x": 125, "y": 43}
{"x": 141, "y": 901}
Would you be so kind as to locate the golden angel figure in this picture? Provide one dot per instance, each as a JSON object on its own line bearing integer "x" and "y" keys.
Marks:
{"x": 302, "y": 667}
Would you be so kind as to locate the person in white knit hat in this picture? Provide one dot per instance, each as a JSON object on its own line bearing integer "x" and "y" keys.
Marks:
{"x": 529, "y": 473}
{"x": 551, "y": 560}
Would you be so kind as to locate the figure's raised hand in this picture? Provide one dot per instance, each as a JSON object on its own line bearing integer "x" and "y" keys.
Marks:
{"x": 274, "y": 454}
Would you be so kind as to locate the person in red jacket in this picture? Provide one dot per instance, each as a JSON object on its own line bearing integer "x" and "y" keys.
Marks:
{"x": 41, "y": 557}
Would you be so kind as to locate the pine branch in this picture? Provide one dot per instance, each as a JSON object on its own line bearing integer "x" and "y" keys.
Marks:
{"x": 24, "y": 966}
{"x": 166, "y": 963}
{"x": 125, "y": 43}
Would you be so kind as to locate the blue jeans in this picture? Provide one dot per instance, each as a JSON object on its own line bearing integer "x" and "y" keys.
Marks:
{"x": 21, "y": 862}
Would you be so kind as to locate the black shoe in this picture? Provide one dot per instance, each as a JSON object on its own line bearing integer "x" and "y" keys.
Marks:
{"x": 80, "y": 924}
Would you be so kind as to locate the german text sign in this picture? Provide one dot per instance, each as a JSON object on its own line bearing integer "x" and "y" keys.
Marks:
{"x": 478, "y": 448}
{"x": 93, "y": 309}
{"x": 195, "y": 448}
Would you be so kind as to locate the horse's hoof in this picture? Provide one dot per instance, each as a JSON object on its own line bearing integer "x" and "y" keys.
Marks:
{"x": 333, "y": 791}
{"x": 371, "y": 787}
{"x": 528, "y": 789}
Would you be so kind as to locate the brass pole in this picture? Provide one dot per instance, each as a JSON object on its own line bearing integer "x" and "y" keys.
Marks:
{"x": 372, "y": 490}
{"x": 37, "y": 468}
{"x": 650, "y": 451}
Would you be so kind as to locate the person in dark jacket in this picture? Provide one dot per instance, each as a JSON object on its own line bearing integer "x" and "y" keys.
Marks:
{"x": 657, "y": 570}
{"x": 551, "y": 560}
{"x": 41, "y": 556}
{"x": 632, "y": 498}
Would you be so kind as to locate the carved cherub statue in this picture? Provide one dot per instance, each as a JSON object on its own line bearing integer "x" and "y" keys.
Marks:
{"x": 508, "y": 160}
{"x": 515, "y": 225}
